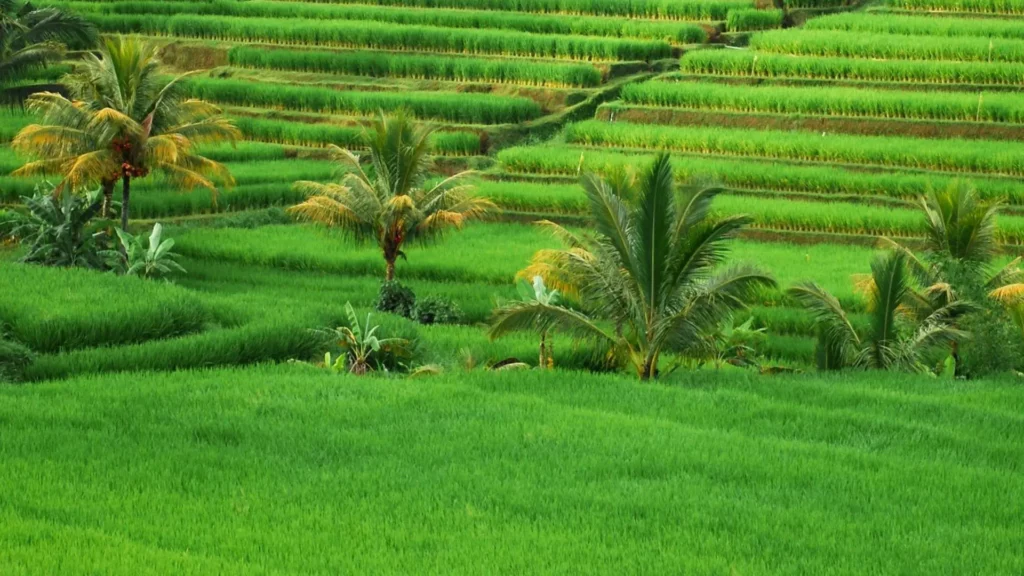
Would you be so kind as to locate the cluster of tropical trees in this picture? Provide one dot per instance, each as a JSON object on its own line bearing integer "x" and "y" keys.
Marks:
{"x": 121, "y": 120}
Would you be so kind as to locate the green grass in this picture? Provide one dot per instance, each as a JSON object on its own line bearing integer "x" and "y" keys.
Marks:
{"x": 286, "y": 470}
{"x": 489, "y": 254}
{"x": 830, "y": 100}
{"x": 53, "y": 309}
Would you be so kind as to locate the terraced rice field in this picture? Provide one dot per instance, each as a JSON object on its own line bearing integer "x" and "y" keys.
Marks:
{"x": 825, "y": 122}
{"x": 825, "y": 133}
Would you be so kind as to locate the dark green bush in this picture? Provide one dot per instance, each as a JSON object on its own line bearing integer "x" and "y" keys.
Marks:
{"x": 438, "y": 310}
{"x": 14, "y": 359}
{"x": 396, "y": 298}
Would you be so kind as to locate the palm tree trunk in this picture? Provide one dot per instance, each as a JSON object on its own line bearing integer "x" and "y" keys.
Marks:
{"x": 108, "y": 198}
{"x": 542, "y": 360}
{"x": 389, "y": 274}
{"x": 126, "y": 191}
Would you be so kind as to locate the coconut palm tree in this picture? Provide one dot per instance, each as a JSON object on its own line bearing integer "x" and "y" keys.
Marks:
{"x": 125, "y": 122}
{"x": 392, "y": 203}
{"x": 652, "y": 272}
{"x": 31, "y": 38}
{"x": 897, "y": 338}
{"x": 961, "y": 240}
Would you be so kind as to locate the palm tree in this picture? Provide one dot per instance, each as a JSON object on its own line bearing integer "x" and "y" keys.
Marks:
{"x": 125, "y": 122}
{"x": 31, "y": 38}
{"x": 393, "y": 204}
{"x": 653, "y": 270}
{"x": 897, "y": 338}
{"x": 961, "y": 239}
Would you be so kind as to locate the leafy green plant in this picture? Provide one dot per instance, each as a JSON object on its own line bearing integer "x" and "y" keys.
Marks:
{"x": 60, "y": 230}
{"x": 897, "y": 337}
{"x": 396, "y": 298}
{"x": 361, "y": 347}
{"x": 654, "y": 271}
{"x": 151, "y": 259}
{"x": 394, "y": 204}
{"x": 437, "y": 310}
{"x": 14, "y": 359}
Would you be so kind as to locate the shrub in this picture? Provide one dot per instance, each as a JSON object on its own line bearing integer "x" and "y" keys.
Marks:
{"x": 14, "y": 358}
{"x": 396, "y": 298}
{"x": 438, "y": 310}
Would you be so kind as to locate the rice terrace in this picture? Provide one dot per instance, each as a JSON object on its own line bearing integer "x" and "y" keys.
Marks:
{"x": 512, "y": 287}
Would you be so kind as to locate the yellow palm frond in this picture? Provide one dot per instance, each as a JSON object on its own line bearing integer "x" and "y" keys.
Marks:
{"x": 864, "y": 286}
{"x": 110, "y": 118}
{"x": 1011, "y": 294}
{"x": 326, "y": 210}
{"x": 187, "y": 179}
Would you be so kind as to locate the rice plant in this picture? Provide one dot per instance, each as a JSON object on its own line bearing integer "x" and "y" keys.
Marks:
{"x": 387, "y": 36}
{"x": 833, "y": 44}
{"x": 997, "y": 157}
{"x": 434, "y": 67}
{"x": 1009, "y": 7}
{"x": 543, "y": 23}
{"x": 918, "y": 25}
{"x": 753, "y": 175}
{"x": 831, "y": 101}
{"x": 454, "y": 107}
{"x": 762, "y": 65}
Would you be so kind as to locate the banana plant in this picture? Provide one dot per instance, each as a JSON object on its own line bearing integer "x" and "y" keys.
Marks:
{"x": 362, "y": 350}
{"x": 153, "y": 259}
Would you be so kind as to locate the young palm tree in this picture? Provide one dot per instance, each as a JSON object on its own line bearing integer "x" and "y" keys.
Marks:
{"x": 126, "y": 121}
{"x": 897, "y": 339}
{"x": 392, "y": 204}
{"x": 653, "y": 270}
{"x": 961, "y": 240}
{"x": 32, "y": 37}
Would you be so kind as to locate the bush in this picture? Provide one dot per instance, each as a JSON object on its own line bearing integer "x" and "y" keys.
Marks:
{"x": 397, "y": 299}
{"x": 438, "y": 310}
{"x": 994, "y": 346}
{"x": 388, "y": 326}
{"x": 14, "y": 358}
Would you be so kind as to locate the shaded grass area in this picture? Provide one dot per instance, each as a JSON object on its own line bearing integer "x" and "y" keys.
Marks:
{"x": 281, "y": 470}
{"x": 52, "y": 309}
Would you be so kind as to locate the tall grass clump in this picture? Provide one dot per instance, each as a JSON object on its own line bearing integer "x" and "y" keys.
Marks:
{"x": 454, "y": 107}
{"x": 762, "y": 65}
{"x": 435, "y": 67}
{"x": 831, "y": 101}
